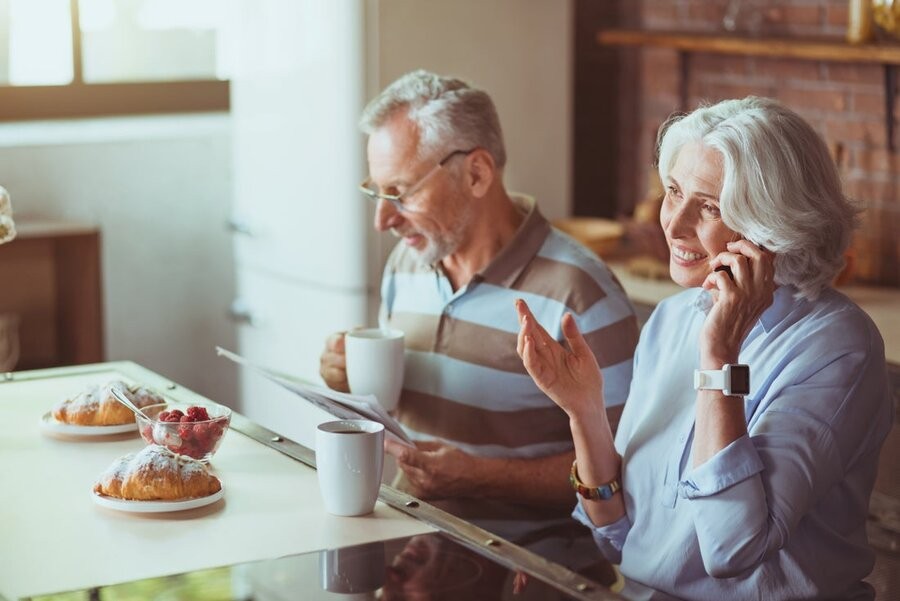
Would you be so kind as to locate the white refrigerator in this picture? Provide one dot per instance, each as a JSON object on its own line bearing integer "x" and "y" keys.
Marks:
{"x": 300, "y": 227}
{"x": 308, "y": 262}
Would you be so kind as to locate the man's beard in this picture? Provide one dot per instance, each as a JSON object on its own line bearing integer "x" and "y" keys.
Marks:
{"x": 438, "y": 248}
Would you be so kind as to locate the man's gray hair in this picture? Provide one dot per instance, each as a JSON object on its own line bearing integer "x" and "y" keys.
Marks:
{"x": 780, "y": 188}
{"x": 449, "y": 113}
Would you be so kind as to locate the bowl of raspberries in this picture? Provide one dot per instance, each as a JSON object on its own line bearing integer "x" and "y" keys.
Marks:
{"x": 195, "y": 430}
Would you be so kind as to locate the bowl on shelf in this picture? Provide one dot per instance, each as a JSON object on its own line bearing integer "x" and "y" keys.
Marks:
{"x": 195, "y": 429}
{"x": 886, "y": 14}
{"x": 600, "y": 235}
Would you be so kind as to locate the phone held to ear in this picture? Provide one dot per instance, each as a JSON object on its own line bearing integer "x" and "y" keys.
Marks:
{"x": 705, "y": 300}
{"x": 726, "y": 269}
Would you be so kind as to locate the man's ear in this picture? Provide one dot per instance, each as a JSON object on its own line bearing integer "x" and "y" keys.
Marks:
{"x": 480, "y": 172}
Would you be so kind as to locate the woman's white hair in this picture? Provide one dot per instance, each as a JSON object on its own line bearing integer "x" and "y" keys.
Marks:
{"x": 447, "y": 111}
{"x": 780, "y": 187}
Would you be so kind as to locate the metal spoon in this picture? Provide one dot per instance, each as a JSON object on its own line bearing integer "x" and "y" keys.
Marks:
{"x": 161, "y": 434}
{"x": 127, "y": 402}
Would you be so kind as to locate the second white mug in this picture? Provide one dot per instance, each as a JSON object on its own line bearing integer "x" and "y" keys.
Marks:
{"x": 349, "y": 465}
{"x": 375, "y": 364}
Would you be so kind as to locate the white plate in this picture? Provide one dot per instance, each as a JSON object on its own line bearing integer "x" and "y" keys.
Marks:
{"x": 49, "y": 424}
{"x": 155, "y": 506}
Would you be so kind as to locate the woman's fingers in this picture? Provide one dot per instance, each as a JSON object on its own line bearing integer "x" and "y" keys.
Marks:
{"x": 524, "y": 326}
{"x": 573, "y": 336}
{"x": 531, "y": 327}
{"x": 761, "y": 260}
{"x": 746, "y": 248}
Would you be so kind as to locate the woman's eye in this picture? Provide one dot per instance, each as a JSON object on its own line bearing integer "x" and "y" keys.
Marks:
{"x": 672, "y": 191}
{"x": 711, "y": 210}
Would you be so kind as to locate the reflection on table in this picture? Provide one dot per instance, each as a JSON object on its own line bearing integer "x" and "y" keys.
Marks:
{"x": 428, "y": 567}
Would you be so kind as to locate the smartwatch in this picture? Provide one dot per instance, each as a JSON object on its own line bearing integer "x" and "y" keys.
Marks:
{"x": 732, "y": 379}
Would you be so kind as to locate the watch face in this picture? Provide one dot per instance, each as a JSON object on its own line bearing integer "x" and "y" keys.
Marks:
{"x": 740, "y": 380}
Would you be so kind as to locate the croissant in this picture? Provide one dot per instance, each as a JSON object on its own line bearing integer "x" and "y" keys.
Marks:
{"x": 157, "y": 474}
{"x": 97, "y": 407}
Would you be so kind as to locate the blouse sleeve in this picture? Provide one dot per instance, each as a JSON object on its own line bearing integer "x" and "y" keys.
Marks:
{"x": 747, "y": 499}
{"x": 609, "y": 538}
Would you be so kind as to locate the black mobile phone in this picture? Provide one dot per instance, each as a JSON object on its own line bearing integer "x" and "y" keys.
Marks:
{"x": 726, "y": 269}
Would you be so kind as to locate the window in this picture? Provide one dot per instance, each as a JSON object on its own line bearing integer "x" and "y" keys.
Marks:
{"x": 68, "y": 58}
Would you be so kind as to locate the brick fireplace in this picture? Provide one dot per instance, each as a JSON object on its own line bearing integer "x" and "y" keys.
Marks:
{"x": 845, "y": 102}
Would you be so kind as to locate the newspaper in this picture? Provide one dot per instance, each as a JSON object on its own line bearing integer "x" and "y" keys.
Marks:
{"x": 339, "y": 404}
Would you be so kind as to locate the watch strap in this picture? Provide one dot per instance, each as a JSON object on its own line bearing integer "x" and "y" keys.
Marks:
{"x": 733, "y": 379}
{"x": 594, "y": 493}
{"x": 709, "y": 379}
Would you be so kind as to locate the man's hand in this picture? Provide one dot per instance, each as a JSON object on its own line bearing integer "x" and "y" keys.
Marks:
{"x": 435, "y": 470}
{"x": 333, "y": 363}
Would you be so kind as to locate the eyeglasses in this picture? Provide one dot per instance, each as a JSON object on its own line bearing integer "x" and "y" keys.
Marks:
{"x": 398, "y": 199}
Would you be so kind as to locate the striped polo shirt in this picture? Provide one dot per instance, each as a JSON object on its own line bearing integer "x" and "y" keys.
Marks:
{"x": 464, "y": 382}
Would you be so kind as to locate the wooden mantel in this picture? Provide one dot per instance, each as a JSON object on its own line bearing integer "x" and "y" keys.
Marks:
{"x": 823, "y": 49}
{"x": 815, "y": 49}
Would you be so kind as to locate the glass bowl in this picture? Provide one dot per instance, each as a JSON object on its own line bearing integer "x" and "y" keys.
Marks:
{"x": 195, "y": 429}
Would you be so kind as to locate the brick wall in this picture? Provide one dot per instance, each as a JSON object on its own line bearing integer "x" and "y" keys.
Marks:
{"x": 844, "y": 102}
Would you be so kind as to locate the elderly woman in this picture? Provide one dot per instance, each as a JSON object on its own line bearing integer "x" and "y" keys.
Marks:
{"x": 747, "y": 451}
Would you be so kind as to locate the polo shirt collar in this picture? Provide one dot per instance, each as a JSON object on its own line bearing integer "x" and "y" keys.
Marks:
{"x": 506, "y": 267}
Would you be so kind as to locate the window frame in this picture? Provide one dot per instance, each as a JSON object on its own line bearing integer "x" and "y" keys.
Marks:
{"x": 80, "y": 99}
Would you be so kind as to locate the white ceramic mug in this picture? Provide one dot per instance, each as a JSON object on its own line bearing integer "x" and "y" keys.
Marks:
{"x": 375, "y": 364}
{"x": 349, "y": 462}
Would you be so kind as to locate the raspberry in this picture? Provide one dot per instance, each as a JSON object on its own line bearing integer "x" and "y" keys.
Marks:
{"x": 198, "y": 414}
{"x": 177, "y": 412}
{"x": 164, "y": 416}
{"x": 186, "y": 419}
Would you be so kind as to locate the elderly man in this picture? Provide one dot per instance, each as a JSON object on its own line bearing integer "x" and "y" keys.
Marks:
{"x": 468, "y": 250}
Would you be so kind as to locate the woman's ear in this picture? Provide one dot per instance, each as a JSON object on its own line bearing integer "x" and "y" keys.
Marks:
{"x": 480, "y": 172}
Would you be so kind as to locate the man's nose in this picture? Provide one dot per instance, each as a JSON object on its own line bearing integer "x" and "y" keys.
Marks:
{"x": 386, "y": 215}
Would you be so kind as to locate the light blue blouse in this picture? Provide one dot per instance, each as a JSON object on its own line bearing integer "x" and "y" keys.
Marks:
{"x": 780, "y": 513}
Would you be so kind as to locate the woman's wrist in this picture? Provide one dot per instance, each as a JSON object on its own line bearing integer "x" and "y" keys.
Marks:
{"x": 590, "y": 429}
{"x": 714, "y": 357}
{"x": 717, "y": 361}
{"x": 591, "y": 413}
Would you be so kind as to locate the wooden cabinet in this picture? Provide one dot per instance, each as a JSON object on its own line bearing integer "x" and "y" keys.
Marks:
{"x": 50, "y": 277}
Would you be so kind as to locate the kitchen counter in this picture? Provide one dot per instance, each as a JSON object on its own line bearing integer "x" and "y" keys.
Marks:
{"x": 882, "y": 304}
{"x": 268, "y": 538}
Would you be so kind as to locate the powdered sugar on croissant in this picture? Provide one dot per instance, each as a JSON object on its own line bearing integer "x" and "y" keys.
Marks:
{"x": 157, "y": 474}
{"x": 96, "y": 406}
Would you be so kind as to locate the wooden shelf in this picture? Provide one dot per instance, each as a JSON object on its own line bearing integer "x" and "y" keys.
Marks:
{"x": 887, "y": 55}
{"x": 828, "y": 49}
{"x": 53, "y": 268}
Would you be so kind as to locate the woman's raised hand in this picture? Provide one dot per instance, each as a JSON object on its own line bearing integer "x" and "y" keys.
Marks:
{"x": 571, "y": 377}
{"x": 740, "y": 300}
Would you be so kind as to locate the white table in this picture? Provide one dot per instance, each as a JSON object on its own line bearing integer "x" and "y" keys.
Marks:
{"x": 54, "y": 538}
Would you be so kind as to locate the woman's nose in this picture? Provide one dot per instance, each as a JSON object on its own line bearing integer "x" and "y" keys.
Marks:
{"x": 681, "y": 222}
